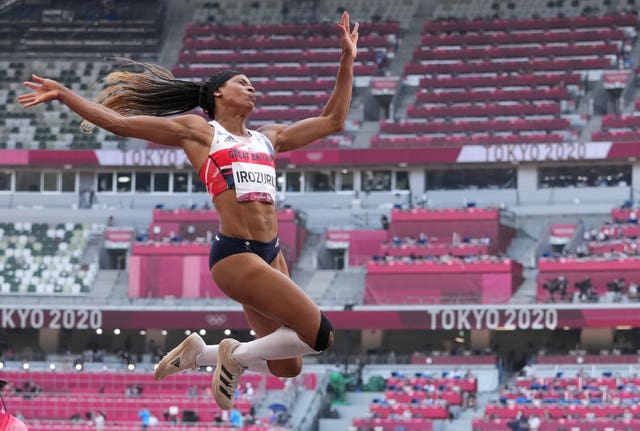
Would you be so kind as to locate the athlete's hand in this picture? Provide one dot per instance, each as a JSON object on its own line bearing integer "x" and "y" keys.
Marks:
{"x": 349, "y": 37}
{"x": 43, "y": 91}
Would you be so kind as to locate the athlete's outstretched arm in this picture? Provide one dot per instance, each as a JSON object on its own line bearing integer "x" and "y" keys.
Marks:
{"x": 304, "y": 132}
{"x": 178, "y": 131}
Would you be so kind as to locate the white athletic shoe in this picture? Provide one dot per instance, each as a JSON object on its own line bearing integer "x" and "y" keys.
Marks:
{"x": 227, "y": 375}
{"x": 181, "y": 358}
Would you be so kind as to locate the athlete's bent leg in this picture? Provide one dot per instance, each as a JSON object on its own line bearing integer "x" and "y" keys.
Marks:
{"x": 270, "y": 293}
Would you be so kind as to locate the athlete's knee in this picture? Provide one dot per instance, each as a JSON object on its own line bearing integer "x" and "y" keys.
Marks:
{"x": 324, "y": 339}
{"x": 286, "y": 368}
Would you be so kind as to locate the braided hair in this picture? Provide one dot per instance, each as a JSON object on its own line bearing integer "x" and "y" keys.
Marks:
{"x": 155, "y": 91}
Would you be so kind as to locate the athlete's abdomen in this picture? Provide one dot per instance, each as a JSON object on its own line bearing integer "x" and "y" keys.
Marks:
{"x": 248, "y": 220}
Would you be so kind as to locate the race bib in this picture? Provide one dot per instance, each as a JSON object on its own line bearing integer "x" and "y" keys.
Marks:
{"x": 254, "y": 182}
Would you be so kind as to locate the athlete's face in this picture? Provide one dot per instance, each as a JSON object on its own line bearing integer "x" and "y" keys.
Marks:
{"x": 237, "y": 89}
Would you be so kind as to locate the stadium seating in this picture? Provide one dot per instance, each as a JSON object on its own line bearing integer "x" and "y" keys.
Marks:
{"x": 42, "y": 259}
{"x": 46, "y": 127}
{"x": 610, "y": 252}
{"x": 413, "y": 403}
{"x": 261, "y": 13}
{"x": 63, "y": 26}
{"x": 455, "y": 268}
{"x": 177, "y": 246}
{"x": 619, "y": 128}
{"x": 120, "y": 396}
{"x": 304, "y": 56}
{"x": 594, "y": 402}
{"x": 478, "y": 78}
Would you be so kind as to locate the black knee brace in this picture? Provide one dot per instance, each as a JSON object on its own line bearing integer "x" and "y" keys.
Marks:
{"x": 325, "y": 330}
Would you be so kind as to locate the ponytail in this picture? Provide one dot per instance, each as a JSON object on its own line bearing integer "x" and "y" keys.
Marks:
{"x": 155, "y": 91}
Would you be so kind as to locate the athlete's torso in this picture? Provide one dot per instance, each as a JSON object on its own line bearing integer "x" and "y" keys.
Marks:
{"x": 246, "y": 164}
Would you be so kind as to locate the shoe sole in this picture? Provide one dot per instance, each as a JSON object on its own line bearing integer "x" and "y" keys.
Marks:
{"x": 166, "y": 367}
{"x": 223, "y": 398}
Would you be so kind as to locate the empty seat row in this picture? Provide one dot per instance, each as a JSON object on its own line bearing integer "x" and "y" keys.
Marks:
{"x": 484, "y": 110}
{"x": 520, "y": 66}
{"x": 530, "y": 80}
{"x": 471, "y": 126}
{"x": 271, "y": 57}
{"x": 182, "y": 71}
{"x": 569, "y": 22}
{"x": 594, "y": 49}
{"x": 319, "y": 29}
{"x": 382, "y": 141}
{"x": 451, "y": 96}
{"x": 503, "y": 37}
{"x": 290, "y": 42}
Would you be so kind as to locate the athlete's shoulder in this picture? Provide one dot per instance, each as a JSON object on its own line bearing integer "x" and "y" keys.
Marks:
{"x": 190, "y": 120}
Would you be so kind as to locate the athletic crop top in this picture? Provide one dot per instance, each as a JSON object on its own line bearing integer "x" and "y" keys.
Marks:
{"x": 246, "y": 164}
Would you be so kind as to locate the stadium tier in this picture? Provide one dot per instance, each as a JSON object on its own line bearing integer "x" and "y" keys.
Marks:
{"x": 53, "y": 399}
{"x": 471, "y": 233}
{"x": 42, "y": 259}
{"x": 172, "y": 259}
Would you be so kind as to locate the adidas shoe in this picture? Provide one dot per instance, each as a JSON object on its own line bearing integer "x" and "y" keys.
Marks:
{"x": 181, "y": 358}
{"x": 227, "y": 374}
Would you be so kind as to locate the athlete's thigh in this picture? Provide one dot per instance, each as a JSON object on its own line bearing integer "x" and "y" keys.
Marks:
{"x": 249, "y": 280}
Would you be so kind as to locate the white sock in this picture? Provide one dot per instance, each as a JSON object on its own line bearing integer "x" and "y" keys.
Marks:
{"x": 209, "y": 357}
{"x": 284, "y": 343}
{"x": 259, "y": 366}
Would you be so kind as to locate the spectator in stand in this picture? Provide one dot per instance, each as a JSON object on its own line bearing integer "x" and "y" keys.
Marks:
{"x": 145, "y": 418}
{"x": 534, "y": 422}
{"x": 384, "y": 221}
{"x": 237, "y": 166}
{"x": 99, "y": 419}
{"x": 236, "y": 420}
{"x": 520, "y": 423}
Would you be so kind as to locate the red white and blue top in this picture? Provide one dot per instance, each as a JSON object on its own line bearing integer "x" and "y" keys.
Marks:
{"x": 246, "y": 164}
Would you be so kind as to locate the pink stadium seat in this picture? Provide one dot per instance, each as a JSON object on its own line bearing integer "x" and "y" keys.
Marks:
{"x": 473, "y": 126}
{"x": 616, "y": 136}
{"x": 429, "y": 53}
{"x": 503, "y": 37}
{"x": 484, "y": 110}
{"x": 612, "y": 121}
{"x": 450, "y": 96}
{"x": 272, "y": 71}
{"x": 522, "y": 80}
{"x": 573, "y": 22}
{"x": 416, "y": 68}
{"x": 281, "y": 29}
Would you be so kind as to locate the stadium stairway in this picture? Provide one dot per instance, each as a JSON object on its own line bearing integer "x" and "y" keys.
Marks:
{"x": 464, "y": 420}
{"x": 356, "y": 406}
{"x": 347, "y": 287}
{"x": 306, "y": 264}
{"x": 521, "y": 247}
{"x": 411, "y": 38}
{"x": 368, "y": 129}
{"x": 526, "y": 293}
{"x": 175, "y": 25}
{"x": 300, "y": 407}
{"x": 319, "y": 284}
{"x": 594, "y": 124}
